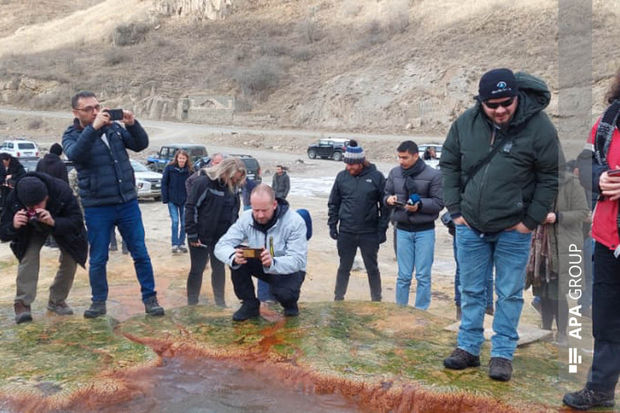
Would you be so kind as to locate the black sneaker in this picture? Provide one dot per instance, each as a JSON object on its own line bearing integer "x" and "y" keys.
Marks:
{"x": 500, "y": 369}
{"x": 60, "y": 308}
{"x": 586, "y": 399}
{"x": 152, "y": 307}
{"x": 247, "y": 310}
{"x": 291, "y": 310}
{"x": 461, "y": 359}
{"x": 97, "y": 309}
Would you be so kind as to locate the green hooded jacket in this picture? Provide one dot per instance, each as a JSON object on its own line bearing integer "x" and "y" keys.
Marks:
{"x": 520, "y": 182}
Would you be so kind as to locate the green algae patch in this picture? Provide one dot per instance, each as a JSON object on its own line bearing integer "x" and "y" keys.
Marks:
{"x": 50, "y": 363}
{"x": 382, "y": 355}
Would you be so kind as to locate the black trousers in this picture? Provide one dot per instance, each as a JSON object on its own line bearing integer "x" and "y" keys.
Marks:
{"x": 199, "y": 258}
{"x": 284, "y": 287}
{"x": 347, "y": 247}
{"x": 605, "y": 320}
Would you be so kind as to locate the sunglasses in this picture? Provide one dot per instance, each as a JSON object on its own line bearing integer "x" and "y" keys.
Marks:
{"x": 496, "y": 105}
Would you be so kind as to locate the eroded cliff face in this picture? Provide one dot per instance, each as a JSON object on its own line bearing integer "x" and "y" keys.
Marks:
{"x": 200, "y": 9}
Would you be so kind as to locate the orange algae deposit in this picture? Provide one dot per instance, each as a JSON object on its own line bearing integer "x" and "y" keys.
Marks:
{"x": 382, "y": 357}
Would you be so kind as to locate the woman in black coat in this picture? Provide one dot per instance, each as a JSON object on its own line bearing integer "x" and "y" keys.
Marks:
{"x": 173, "y": 193}
{"x": 10, "y": 171}
{"x": 212, "y": 207}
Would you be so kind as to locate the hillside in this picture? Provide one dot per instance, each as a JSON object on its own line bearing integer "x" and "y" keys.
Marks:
{"x": 357, "y": 65}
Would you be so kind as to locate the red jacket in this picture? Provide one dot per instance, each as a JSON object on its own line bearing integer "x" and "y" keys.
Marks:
{"x": 605, "y": 218}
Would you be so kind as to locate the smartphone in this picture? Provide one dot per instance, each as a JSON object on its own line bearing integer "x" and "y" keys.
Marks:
{"x": 398, "y": 203}
{"x": 252, "y": 252}
{"x": 115, "y": 114}
{"x": 613, "y": 172}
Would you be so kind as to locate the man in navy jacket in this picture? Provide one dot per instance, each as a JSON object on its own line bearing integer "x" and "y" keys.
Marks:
{"x": 97, "y": 146}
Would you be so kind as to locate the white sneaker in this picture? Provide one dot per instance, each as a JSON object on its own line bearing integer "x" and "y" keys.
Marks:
{"x": 175, "y": 249}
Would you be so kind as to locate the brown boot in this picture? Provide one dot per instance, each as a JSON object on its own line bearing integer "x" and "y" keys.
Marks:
{"x": 22, "y": 312}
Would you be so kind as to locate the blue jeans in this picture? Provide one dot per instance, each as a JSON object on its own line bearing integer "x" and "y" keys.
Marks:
{"x": 177, "y": 216}
{"x": 508, "y": 252}
{"x": 415, "y": 251}
{"x": 457, "y": 280}
{"x": 128, "y": 219}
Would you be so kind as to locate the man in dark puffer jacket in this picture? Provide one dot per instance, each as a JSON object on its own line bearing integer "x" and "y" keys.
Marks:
{"x": 51, "y": 164}
{"x": 97, "y": 146}
{"x": 39, "y": 206}
{"x": 355, "y": 205}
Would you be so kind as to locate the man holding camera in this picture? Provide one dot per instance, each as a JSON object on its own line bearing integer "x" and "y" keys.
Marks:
{"x": 357, "y": 219}
{"x": 39, "y": 206}
{"x": 413, "y": 192}
{"x": 500, "y": 174}
{"x": 277, "y": 253}
{"x": 98, "y": 145}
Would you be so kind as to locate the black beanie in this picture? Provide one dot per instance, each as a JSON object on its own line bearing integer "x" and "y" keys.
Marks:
{"x": 30, "y": 190}
{"x": 497, "y": 83}
{"x": 56, "y": 149}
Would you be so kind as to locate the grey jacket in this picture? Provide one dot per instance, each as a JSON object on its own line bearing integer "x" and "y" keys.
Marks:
{"x": 287, "y": 235}
{"x": 281, "y": 184}
{"x": 429, "y": 188}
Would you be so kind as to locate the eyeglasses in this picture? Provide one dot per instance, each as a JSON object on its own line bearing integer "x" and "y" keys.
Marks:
{"x": 89, "y": 109}
{"x": 496, "y": 105}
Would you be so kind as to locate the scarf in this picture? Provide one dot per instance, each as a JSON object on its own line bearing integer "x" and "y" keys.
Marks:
{"x": 539, "y": 266}
{"x": 605, "y": 131}
{"x": 410, "y": 174}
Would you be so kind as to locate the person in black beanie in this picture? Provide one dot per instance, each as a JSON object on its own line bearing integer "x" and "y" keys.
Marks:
{"x": 52, "y": 164}
{"x": 357, "y": 218}
{"x": 39, "y": 206}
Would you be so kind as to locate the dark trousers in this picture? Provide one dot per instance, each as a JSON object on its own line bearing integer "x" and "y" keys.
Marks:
{"x": 554, "y": 309}
{"x": 347, "y": 247}
{"x": 605, "y": 320}
{"x": 199, "y": 257}
{"x": 284, "y": 287}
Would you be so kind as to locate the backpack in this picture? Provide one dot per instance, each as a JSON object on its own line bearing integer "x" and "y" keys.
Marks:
{"x": 305, "y": 214}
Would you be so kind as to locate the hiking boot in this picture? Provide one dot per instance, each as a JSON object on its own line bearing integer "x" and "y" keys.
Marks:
{"x": 586, "y": 399}
{"x": 60, "y": 308}
{"x": 500, "y": 369}
{"x": 291, "y": 310}
{"x": 22, "y": 312}
{"x": 152, "y": 307}
{"x": 247, "y": 310}
{"x": 458, "y": 313}
{"x": 182, "y": 249}
{"x": 490, "y": 310}
{"x": 461, "y": 359}
{"x": 97, "y": 309}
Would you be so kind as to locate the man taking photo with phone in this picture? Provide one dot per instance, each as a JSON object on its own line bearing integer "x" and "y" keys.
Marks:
{"x": 98, "y": 145}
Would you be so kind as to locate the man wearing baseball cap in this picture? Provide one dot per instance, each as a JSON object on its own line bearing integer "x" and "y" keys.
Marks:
{"x": 42, "y": 205}
{"x": 500, "y": 175}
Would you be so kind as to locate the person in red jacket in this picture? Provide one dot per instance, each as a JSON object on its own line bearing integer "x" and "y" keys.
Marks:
{"x": 602, "y": 155}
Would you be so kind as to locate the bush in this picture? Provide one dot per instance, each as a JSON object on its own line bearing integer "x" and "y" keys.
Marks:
{"x": 113, "y": 57}
{"x": 129, "y": 33}
{"x": 259, "y": 78}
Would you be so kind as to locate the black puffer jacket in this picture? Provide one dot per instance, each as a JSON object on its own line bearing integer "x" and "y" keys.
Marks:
{"x": 68, "y": 231}
{"x": 356, "y": 202}
{"x": 205, "y": 215}
{"x": 105, "y": 175}
{"x": 51, "y": 164}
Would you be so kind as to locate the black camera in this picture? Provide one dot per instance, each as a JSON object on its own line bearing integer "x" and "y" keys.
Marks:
{"x": 32, "y": 215}
{"x": 115, "y": 114}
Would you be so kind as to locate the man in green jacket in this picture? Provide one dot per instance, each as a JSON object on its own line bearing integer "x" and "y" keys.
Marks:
{"x": 500, "y": 175}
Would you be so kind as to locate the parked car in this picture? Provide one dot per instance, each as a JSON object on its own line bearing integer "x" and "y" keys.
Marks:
{"x": 328, "y": 148}
{"x": 159, "y": 161}
{"x": 19, "y": 148}
{"x": 148, "y": 182}
{"x": 252, "y": 167}
{"x": 434, "y": 162}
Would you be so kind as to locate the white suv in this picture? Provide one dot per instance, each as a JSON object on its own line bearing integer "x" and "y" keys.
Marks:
{"x": 20, "y": 148}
